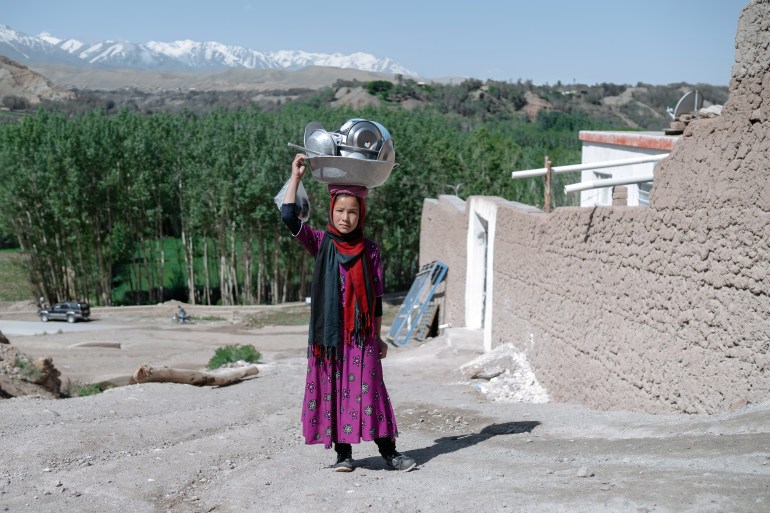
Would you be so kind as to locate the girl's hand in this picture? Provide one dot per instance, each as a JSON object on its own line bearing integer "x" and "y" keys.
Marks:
{"x": 298, "y": 166}
{"x": 383, "y": 348}
{"x": 297, "y": 170}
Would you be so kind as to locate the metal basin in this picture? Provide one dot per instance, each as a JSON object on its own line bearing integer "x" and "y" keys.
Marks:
{"x": 350, "y": 171}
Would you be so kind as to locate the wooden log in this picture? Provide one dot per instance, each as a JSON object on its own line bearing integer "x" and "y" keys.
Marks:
{"x": 147, "y": 373}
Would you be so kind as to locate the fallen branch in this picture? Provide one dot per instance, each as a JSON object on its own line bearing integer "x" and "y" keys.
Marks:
{"x": 147, "y": 373}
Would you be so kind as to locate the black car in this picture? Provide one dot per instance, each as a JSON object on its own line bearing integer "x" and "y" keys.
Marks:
{"x": 69, "y": 311}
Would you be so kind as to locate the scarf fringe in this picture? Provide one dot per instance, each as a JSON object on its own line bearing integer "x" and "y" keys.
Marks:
{"x": 363, "y": 329}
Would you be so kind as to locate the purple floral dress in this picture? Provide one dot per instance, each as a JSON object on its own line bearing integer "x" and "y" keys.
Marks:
{"x": 345, "y": 399}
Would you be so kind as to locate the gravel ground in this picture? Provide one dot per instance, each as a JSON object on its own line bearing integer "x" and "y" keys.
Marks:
{"x": 177, "y": 448}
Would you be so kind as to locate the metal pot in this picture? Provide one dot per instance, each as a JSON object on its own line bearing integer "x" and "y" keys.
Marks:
{"x": 387, "y": 152}
{"x": 359, "y": 138}
{"x": 318, "y": 140}
{"x": 310, "y": 128}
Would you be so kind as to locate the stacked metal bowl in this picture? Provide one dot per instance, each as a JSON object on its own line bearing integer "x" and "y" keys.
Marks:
{"x": 360, "y": 152}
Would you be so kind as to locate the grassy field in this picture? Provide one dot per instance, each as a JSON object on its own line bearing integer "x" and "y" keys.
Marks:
{"x": 13, "y": 277}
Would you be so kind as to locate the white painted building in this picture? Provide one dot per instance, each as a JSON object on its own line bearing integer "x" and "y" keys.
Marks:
{"x": 604, "y": 146}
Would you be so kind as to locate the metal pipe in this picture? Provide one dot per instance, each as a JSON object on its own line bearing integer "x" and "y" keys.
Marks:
{"x": 606, "y": 182}
{"x": 529, "y": 173}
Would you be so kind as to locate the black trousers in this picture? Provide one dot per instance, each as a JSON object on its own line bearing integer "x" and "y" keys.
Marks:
{"x": 385, "y": 444}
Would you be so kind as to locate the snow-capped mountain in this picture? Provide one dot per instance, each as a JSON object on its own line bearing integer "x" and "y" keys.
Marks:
{"x": 24, "y": 48}
{"x": 176, "y": 56}
{"x": 211, "y": 55}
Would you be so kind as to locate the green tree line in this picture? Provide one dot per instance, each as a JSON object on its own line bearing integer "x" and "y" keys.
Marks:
{"x": 180, "y": 205}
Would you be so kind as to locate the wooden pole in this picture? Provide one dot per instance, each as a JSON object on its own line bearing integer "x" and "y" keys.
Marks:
{"x": 548, "y": 176}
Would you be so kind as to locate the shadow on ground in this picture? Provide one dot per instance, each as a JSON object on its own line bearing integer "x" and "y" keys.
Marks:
{"x": 449, "y": 444}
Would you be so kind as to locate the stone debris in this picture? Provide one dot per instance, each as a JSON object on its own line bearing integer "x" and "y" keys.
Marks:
{"x": 711, "y": 111}
{"x": 504, "y": 375}
{"x": 678, "y": 125}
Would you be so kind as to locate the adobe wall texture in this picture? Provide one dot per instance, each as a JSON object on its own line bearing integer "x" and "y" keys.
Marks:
{"x": 665, "y": 309}
{"x": 443, "y": 229}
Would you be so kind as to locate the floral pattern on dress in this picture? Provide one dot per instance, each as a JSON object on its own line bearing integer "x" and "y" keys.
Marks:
{"x": 347, "y": 418}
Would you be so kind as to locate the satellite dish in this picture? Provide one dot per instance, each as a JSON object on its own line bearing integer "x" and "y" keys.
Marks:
{"x": 692, "y": 101}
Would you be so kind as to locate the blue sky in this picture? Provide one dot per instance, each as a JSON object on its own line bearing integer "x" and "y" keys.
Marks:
{"x": 585, "y": 41}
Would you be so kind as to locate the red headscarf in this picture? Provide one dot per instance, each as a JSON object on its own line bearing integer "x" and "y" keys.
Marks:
{"x": 352, "y": 244}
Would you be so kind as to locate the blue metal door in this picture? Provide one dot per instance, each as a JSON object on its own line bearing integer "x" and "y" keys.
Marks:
{"x": 416, "y": 302}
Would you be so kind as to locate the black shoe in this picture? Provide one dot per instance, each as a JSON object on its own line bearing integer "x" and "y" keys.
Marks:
{"x": 400, "y": 462}
{"x": 344, "y": 464}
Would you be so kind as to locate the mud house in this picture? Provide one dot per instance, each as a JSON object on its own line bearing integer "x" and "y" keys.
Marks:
{"x": 658, "y": 309}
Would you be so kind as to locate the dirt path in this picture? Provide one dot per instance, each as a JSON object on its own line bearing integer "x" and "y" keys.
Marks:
{"x": 167, "y": 447}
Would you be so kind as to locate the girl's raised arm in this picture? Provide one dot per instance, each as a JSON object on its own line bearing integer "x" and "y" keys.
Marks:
{"x": 297, "y": 172}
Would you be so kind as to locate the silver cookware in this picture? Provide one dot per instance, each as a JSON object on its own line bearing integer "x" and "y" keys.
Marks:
{"x": 360, "y": 152}
{"x": 387, "y": 153}
{"x": 318, "y": 140}
{"x": 359, "y": 138}
{"x": 310, "y": 128}
{"x": 347, "y": 171}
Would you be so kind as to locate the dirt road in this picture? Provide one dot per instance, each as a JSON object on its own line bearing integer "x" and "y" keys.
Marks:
{"x": 177, "y": 448}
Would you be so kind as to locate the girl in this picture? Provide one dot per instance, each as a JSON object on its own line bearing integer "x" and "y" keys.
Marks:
{"x": 345, "y": 396}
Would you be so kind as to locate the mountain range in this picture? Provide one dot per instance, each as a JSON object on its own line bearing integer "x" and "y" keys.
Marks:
{"x": 177, "y": 56}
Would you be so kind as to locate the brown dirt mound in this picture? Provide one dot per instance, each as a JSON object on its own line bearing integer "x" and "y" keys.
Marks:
{"x": 20, "y": 375}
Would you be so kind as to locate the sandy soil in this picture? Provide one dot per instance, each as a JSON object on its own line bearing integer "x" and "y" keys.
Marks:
{"x": 177, "y": 448}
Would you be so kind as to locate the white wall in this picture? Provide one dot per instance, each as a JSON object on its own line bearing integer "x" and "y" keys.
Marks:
{"x": 602, "y": 146}
{"x": 599, "y": 152}
{"x": 479, "y": 288}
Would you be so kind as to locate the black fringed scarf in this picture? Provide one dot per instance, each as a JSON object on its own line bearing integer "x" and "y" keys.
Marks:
{"x": 357, "y": 305}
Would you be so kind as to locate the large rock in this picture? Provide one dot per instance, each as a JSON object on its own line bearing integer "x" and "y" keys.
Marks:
{"x": 20, "y": 375}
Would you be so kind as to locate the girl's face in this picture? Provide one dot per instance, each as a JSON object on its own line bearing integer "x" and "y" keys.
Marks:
{"x": 345, "y": 213}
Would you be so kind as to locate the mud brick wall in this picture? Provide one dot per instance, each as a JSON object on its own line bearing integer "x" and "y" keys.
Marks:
{"x": 665, "y": 309}
{"x": 443, "y": 230}
{"x": 630, "y": 309}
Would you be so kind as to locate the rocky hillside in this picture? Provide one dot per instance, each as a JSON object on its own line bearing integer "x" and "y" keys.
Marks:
{"x": 22, "y": 88}
{"x": 231, "y": 79}
{"x": 641, "y": 106}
